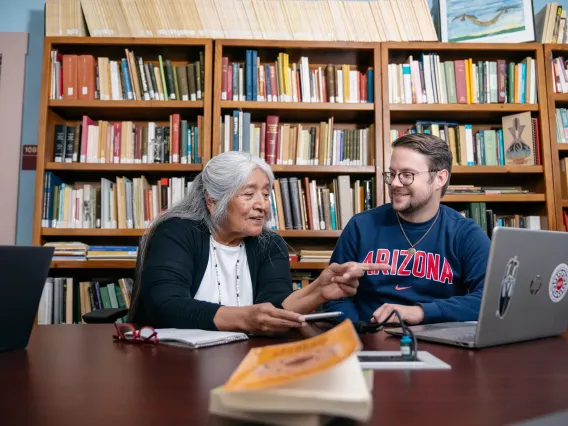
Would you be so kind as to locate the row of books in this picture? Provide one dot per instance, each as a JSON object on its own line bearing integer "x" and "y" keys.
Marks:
{"x": 516, "y": 143}
{"x": 550, "y": 24}
{"x": 463, "y": 81}
{"x": 474, "y": 189}
{"x": 65, "y": 301}
{"x": 323, "y": 143}
{"x": 84, "y": 77}
{"x": 341, "y": 20}
{"x": 564, "y": 178}
{"x": 487, "y": 219}
{"x": 304, "y": 204}
{"x": 123, "y": 204}
{"x": 281, "y": 81}
{"x": 90, "y": 141}
{"x": 561, "y": 125}
{"x": 75, "y": 250}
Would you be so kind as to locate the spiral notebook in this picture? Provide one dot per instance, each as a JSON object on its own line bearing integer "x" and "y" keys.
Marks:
{"x": 194, "y": 339}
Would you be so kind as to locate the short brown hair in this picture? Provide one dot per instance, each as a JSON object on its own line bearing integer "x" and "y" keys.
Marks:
{"x": 434, "y": 148}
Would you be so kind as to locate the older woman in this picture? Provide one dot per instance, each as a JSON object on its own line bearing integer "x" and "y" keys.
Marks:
{"x": 210, "y": 262}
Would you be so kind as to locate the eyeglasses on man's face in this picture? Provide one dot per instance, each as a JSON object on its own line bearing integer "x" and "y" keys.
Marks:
{"x": 405, "y": 178}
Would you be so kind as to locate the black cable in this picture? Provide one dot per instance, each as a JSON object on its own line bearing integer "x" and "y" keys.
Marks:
{"x": 374, "y": 327}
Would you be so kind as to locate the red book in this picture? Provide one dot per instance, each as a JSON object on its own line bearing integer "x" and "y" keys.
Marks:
{"x": 176, "y": 121}
{"x": 461, "y": 85}
{"x": 272, "y": 130}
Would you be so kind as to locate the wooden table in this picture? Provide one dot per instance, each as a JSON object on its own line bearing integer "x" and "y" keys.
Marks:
{"x": 76, "y": 375}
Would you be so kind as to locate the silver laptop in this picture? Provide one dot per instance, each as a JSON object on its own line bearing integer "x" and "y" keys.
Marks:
{"x": 524, "y": 296}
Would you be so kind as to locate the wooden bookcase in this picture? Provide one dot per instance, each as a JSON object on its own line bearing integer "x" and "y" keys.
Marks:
{"x": 557, "y": 150}
{"x": 544, "y": 199}
{"x": 358, "y": 55}
{"x": 537, "y": 178}
{"x": 67, "y": 111}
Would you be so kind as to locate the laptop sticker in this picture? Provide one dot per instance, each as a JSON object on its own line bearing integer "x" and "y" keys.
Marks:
{"x": 536, "y": 284}
{"x": 558, "y": 283}
{"x": 507, "y": 286}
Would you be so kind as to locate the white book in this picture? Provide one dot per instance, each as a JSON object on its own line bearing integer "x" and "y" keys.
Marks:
{"x": 194, "y": 339}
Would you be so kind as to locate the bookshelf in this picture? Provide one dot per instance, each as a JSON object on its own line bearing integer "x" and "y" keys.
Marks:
{"x": 484, "y": 112}
{"x": 68, "y": 110}
{"x": 558, "y": 151}
{"x": 359, "y": 111}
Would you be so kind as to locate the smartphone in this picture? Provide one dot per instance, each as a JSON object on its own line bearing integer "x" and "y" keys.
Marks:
{"x": 322, "y": 315}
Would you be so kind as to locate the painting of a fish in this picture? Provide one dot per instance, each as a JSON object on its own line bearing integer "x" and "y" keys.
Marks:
{"x": 487, "y": 21}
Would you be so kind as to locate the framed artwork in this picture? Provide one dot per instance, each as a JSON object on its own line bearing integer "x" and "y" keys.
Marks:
{"x": 482, "y": 21}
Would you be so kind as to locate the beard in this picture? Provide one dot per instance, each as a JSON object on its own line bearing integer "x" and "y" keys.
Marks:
{"x": 411, "y": 202}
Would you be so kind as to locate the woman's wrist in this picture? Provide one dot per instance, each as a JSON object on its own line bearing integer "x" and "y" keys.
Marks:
{"x": 230, "y": 318}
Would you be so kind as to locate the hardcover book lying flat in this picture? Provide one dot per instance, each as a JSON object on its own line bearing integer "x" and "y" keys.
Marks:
{"x": 302, "y": 383}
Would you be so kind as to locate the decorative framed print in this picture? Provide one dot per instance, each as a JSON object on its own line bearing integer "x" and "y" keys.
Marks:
{"x": 482, "y": 21}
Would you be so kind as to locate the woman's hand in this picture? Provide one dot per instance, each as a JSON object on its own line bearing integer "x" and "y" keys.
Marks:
{"x": 265, "y": 318}
{"x": 341, "y": 280}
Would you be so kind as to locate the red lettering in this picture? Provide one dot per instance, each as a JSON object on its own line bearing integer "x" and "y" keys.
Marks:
{"x": 383, "y": 256}
{"x": 394, "y": 262}
{"x": 402, "y": 271}
{"x": 369, "y": 259}
{"x": 447, "y": 273}
{"x": 419, "y": 266}
{"x": 433, "y": 267}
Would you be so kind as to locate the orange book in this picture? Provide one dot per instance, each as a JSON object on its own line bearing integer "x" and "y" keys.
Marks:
{"x": 276, "y": 365}
{"x": 320, "y": 376}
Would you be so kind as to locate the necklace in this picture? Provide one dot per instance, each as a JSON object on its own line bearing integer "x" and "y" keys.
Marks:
{"x": 412, "y": 250}
{"x": 237, "y": 268}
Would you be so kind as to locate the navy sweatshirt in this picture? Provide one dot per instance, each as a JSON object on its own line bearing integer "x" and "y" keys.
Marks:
{"x": 445, "y": 276}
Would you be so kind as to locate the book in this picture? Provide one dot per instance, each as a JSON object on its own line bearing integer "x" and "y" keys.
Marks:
{"x": 195, "y": 339}
{"x": 302, "y": 382}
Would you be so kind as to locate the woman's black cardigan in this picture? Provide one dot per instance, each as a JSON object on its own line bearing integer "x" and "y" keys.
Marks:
{"x": 176, "y": 260}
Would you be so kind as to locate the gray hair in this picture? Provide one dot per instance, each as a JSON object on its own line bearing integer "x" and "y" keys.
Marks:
{"x": 219, "y": 181}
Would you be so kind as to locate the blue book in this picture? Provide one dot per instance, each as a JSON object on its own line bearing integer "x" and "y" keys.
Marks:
{"x": 248, "y": 75}
{"x": 370, "y": 86}
{"x": 236, "y": 130}
{"x": 254, "y": 75}
{"x": 127, "y": 82}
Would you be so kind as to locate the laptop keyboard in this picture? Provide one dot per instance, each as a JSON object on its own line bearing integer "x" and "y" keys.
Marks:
{"x": 462, "y": 334}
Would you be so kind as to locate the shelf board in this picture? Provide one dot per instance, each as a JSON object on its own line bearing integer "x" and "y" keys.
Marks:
{"x": 297, "y": 106}
{"x": 323, "y": 169}
{"x": 309, "y": 234}
{"x": 131, "y": 264}
{"x": 493, "y": 198}
{"x": 565, "y": 203}
{"x": 474, "y": 170}
{"x": 470, "y": 108}
{"x": 94, "y": 264}
{"x": 126, "y": 110}
{"x": 561, "y": 98}
{"x": 120, "y": 41}
{"x": 471, "y": 113}
{"x": 98, "y": 167}
{"x": 308, "y": 265}
{"x": 90, "y": 232}
{"x": 66, "y": 103}
{"x": 562, "y": 146}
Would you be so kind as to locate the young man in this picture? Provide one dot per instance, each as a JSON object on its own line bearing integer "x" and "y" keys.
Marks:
{"x": 437, "y": 257}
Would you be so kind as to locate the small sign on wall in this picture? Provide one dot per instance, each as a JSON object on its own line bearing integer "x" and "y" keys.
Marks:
{"x": 29, "y": 157}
